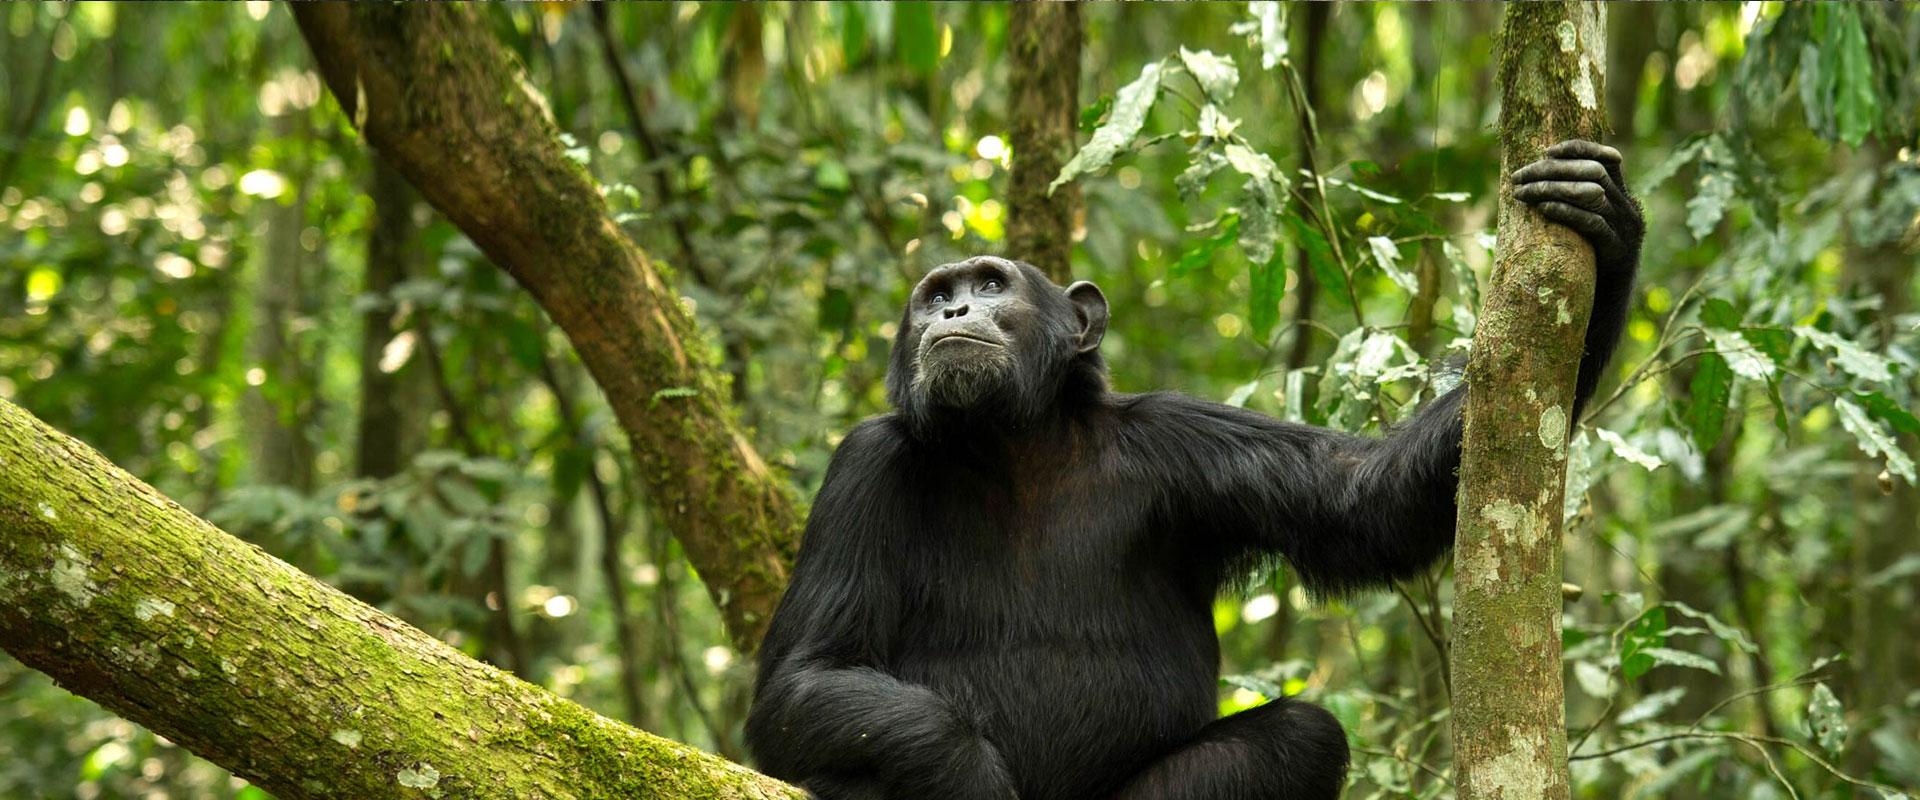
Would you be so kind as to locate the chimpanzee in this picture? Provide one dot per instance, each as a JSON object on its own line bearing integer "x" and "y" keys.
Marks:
{"x": 1006, "y": 585}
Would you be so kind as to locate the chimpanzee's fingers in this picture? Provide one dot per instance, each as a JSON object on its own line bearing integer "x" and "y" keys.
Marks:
{"x": 1550, "y": 169}
{"x": 1605, "y": 175}
{"x": 1584, "y": 222}
{"x": 1607, "y": 156}
{"x": 1582, "y": 194}
{"x": 1577, "y": 148}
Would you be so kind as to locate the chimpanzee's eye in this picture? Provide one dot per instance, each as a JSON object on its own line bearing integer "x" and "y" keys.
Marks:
{"x": 939, "y": 297}
{"x": 992, "y": 284}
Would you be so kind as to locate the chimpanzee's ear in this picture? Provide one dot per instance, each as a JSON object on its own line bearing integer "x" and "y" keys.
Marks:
{"x": 1091, "y": 307}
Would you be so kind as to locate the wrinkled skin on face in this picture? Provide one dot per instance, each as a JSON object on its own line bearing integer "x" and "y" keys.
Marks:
{"x": 994, "y": 341}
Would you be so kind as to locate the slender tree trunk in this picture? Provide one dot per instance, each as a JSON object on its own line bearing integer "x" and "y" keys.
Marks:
{"x": 388, "y": 436}
{"x": 1509, "y": 720}
{"x": 282, "y": 453}
{"x": 127, "y": 599}
{"x": 1043, "y": 65}
{"x": 436, "y": 95}
{"x": 1308, "y": 288}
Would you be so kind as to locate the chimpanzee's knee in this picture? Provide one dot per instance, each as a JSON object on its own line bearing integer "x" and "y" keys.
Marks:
{"x": 1284, "y": 749}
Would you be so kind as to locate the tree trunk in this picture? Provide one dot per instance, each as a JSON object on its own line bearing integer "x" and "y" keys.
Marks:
{"x": 282, "y": 452}
{"x": 1043, "y": 62}
{"x": 125, "y": 598}
{"x": 1509, "y": 730}
{"x": 389, "y": 397}
{"x": 440, "y": 100}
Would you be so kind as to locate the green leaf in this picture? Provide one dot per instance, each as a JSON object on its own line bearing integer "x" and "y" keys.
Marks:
{"x": 1721, "y": 630}
{"x": 1271, "y": 18}
{"x": 836, "y": 309}
{"x": 1774, "y": 343}
{"x": 1129, "y": 114}
{"x": 1263, "y": 302}
{"x": 1201, "y": 254}
{"x": 1856, "y": 107}
{"x": 1779, "y": 406}
{"x": 1090, "y": 116}
{"x": 1579, "y": 477}
{"x": 1888, "y": 409}
{"x": 1254, "y": 164}
{"x": 1240, "y": 394}
{"x": 1746, "y": 360}
{"x": 1193, "y": 180}
{"x": 1680, "y": 658}
{"x": 1217, "y": 75}
{"x": 1665, "y": 170}
{"x": 1815, "y": 93}
{"x": 1387, "y": 255}
{"x": 1874, "y": 440}
{"x": 853, "y": 31}
{"x": 1719, "y": 313}
{"x": 1651, "y": 706}
{"x": 832, "y": 176}
{"x": 1627, "y": 451}
{"x": 916, "y": 37}
{"x": 524, "y": 345}
{"x": 1319, "y": 254}
{"x": 1826, "y": 721}
{"x": 1649, "y": 630}
{"x": 1709, "y": 203}
{"x": 1849, "y": 356}
{"x": 1259, "y": 203}
{"x": 1593, "y": 679}
{"x": 1708, "y": 393}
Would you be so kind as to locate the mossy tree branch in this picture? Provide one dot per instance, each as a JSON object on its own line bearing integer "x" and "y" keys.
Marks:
{"x": 443, "y": 103}
{"x": 125, "y": 598}
{"x": 1509, "y": 729}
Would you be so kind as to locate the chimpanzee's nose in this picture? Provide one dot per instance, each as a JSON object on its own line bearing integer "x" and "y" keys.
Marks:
{"x": 956, "y": 311}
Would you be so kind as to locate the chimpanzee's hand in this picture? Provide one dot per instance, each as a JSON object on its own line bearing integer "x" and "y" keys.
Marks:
{"x": 1578, "y": 185}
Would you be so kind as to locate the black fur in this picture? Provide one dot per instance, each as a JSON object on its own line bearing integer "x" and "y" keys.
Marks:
{"x": 1014, "y": 598}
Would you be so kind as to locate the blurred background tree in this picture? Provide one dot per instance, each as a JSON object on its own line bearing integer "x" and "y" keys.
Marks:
{"x": 209, "y": 278}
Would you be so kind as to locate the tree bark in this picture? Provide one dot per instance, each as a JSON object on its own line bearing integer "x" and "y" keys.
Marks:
{"x": 125, "y": 598}
{"x": 1509, "y": 729}
{"x": 1043, "y": 65}
{"x": 439, "y": 99}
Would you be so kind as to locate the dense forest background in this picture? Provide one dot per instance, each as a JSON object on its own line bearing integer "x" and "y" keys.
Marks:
{"x": 208, "y": 277}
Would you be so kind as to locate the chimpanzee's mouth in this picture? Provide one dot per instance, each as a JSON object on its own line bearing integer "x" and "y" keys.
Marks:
{"x": 957, "y": 335}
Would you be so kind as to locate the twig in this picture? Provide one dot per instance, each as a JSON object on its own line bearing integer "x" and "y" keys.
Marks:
{"x": 1422, "y": 765}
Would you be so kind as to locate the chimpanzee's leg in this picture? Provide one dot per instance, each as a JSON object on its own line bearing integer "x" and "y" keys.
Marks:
{"x": 822, "y": 787}
{"x": 1284, "y": 750}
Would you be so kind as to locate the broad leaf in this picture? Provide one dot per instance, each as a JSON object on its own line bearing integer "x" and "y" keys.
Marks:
{"x": 1387, "y": 255}
{"x": 1874, "y": 440}
{"x": 1129, "y": 113}
{"x": 1200, "y": 255}
{"x": 1856, "y": 106}
{"x": 1681, "y": 658}
{"x": 1263, "y": 302}
{"x": 1217, "y": 75}
{"x": 1627, "y": 451}
{"x": 1707, "y": 396}
{"x": 1746, "y": 361}
{"x": 1849, "y": 356}
{"x": 917, "y": 37}
{"x": 1709, "y": 202}
{"x": 1825, "y": 719}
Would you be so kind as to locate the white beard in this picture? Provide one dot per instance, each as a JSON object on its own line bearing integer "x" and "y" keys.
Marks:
{"x": 961, "y": 378}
